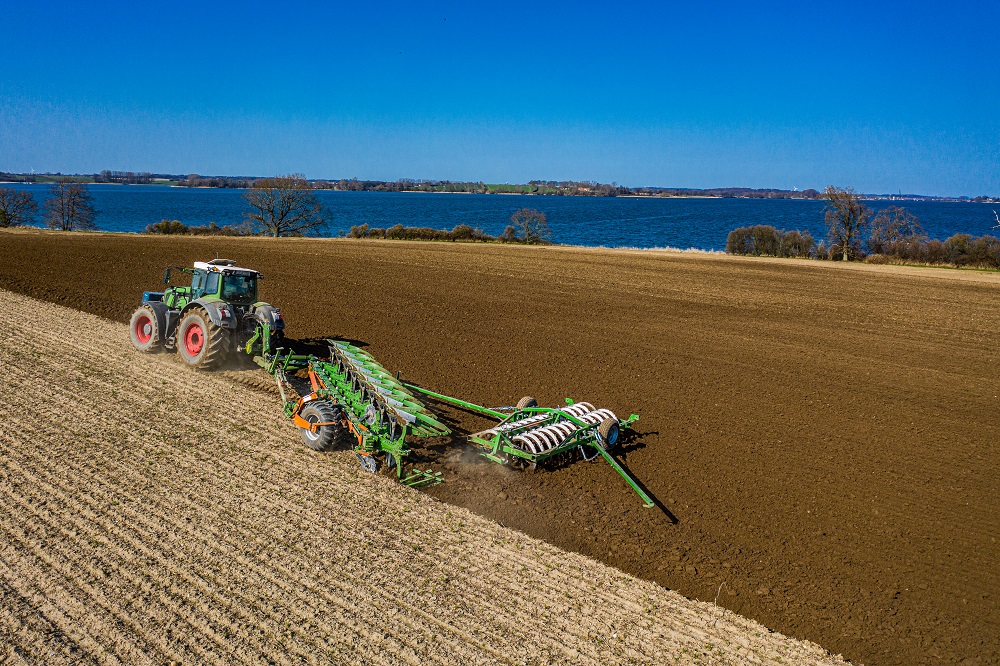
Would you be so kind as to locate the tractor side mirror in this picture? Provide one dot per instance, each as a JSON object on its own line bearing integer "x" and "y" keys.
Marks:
{"x": 166, "y": 276}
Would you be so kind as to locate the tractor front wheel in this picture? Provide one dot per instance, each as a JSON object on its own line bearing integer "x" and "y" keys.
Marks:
{"x": 144, "y": 330}
{"x": 201, "y": 343}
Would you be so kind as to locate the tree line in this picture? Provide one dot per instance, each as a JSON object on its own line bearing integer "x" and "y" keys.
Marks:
{"x": 288, "y": 206}
{"x": 128, "y": 177}
{"x": 195, "y": 180}
{"x": 68, "y": 208}
{"x": 280, "y": 206}
{"x": 554, "y": 188}
{"x": 527, "y": 225}
{"x": 854, "y": 232}
{"x": 536, "y": 187}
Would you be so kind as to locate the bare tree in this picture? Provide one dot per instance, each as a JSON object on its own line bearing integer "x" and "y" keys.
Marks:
{"x": 530, "y": 226}
{"x": 70, "y": 207}
{"x": 846, "y": 217}
{"x": 17, "y": 207}
{"x": 893, "y": 227}
{"x": 284, "y": 206}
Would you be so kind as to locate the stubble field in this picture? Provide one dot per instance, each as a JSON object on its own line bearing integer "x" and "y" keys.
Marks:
{"x": 822, "y": 439}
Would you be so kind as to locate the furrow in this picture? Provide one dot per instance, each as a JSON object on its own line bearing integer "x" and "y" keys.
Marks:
{"x": 72, "y": 605}
{"x": 28, "y": 635}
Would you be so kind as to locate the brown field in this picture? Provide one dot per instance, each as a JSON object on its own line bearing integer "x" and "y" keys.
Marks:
{"x": 822, "y": 438}
{"x": 143, "y": 525}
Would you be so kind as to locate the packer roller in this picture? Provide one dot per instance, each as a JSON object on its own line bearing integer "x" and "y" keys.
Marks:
{"x": 528, "y": 435}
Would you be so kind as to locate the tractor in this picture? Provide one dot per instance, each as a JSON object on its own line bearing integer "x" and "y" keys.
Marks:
{"x": 209, "y": 321}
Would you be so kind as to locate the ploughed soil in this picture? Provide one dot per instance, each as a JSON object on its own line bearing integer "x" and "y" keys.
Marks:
{"x": 822, "y": 440}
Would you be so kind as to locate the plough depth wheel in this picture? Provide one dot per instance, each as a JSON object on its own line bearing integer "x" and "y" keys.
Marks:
{"x": 608, "y": 431}
{"x": 326, "y": 436}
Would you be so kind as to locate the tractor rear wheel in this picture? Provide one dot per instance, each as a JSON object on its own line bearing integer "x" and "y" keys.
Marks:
{"x": 325, "y": 437}
{"x": 144, "y": 330}
{"x": 201, "y": 343}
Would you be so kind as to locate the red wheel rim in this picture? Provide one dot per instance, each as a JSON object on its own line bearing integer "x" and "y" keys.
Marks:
{"x": 143, "y": 329}
{"x": 194, "y": 339}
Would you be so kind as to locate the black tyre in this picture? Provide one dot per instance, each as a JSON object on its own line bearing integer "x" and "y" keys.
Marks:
{"x": 201, "y": 343}
{"x": 145, "y": 331}
{"x": 527, "y": 401}
{"x": 609, "y": 431}
{"x": 325, "y": 437}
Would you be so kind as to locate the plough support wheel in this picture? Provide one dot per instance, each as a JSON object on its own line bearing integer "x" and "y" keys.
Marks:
{"x": 326, "y": 436}
{"x": 527, "y": 401}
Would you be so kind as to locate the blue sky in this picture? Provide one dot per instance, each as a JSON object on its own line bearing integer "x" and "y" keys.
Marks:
{"x": 881, "y": 97}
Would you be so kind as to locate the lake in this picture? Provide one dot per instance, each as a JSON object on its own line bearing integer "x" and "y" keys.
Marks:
{"x": 593, "y": 221}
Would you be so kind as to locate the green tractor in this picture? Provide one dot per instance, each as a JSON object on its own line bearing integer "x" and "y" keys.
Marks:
{"x": 210, "y": 320}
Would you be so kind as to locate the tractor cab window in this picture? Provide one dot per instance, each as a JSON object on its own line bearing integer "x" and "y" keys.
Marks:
{"x": 212, "y": 285}
{"x": 239, "y": 289}
{"x": 198, "y": 284}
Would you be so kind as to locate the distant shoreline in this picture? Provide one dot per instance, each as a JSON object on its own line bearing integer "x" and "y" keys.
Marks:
{"x": 864, "y": 197}
{"x": 534, "y": 188}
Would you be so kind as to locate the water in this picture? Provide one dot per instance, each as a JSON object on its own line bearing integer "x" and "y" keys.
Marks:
{"x": 611, "y": 222}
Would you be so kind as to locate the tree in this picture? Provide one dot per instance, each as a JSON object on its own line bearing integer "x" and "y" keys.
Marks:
{"x": 893, "y": 229}
{"x": 797, "y": 244}
{"x": 758, "y": 240}
{"x": 285, "y": 206}
{"x": 509, "y": 234}
{"x": 846, "y": 217}
{"x": 959, "y": 248}
{"x": 530, "y": 226}
{"x": 69, "y": 207}
{"x": 17, "y": 207}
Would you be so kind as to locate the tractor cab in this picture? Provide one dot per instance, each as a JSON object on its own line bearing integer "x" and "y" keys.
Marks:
{"x": 221, "y": 278}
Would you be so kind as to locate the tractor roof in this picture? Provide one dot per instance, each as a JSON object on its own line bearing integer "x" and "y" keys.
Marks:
{"x": 220, "y": 265}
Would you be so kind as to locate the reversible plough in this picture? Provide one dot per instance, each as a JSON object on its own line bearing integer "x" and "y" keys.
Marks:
{"x": 351, "y": 398}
